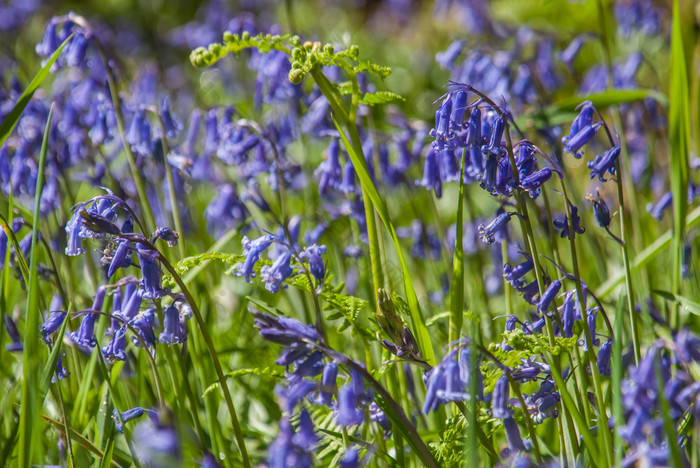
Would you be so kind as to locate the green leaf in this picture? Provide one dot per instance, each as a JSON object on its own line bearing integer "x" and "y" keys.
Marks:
{"x": 9, "y": 122}
{"x": 691, "y": 306}
{"x": 562, "y": 111}
{"x": 380, "y": 97}
{"x": 30, "y": 428}
{"x": 417, "y": 321}
{"x": 457, "y": 285}
{"x": 679, "y": 137}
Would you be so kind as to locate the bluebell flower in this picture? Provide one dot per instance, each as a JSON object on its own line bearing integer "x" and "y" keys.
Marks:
{"x": 687, "y": 347}
{"x": 314, "y": 255}
{"x": 291, "y": 395}
{"x": 61, "y": 371}
{"x": 139, "y": 134}
{"x": 351, "y": 458}
{"x": 600, "y": 211}
{"x": 562, "y": 224}
{"x": 172, "y": 126}
{"x": 442, "y": 132}
{"x": 568, "y": 314}
{"x": 534, "y": 181}
{"x": 150, "y": 272}
{"x": 603, "y": 360}
{"x": 488, "y": 232}
{"x": 128, "y": 415}
{"x": 605, "y": 163}
{"x": 284, "y": 331}
{"x": 114, "y": 351}
{"x": 252, "y": 250}
{"x": 568, "y": 55}
{"x": 447, "y": 58}
{"x": 283, "y": 452}
{"x": 349, "y": 411}
{"x": 306, "y": 434}
{"x": 156, "y": 444}
{"x": 75, "y": 243}
{"x": 447, "y": 382}
{"x": 489, "y": 179}
{"x": 11, "y": 328}
{"x": 347, "y": 183}
{"x": 131, "y": 302}
{"x": 656, "y": 210}
{"x": 515, "y": 441}
{"x": 494, "y": 145}
{"x": 329, "y": 171}
{"x": 273, "y": 276}
{"x": 76, "y": 50}
{"x": 175, "y": 325}
{"x": 499, "y": 398}
{"x": 328, "y": 385}
{"x": 431, "y": 174}
{"x": 225, "y": 211}
{"x": 514, "y": 274}
{"x": 51, "y": 325}
{"x": 120, "y": 255}
{"x": 143, "y": 322}
{"x": 548, "y": 296}
{"x": 84, "y": 338}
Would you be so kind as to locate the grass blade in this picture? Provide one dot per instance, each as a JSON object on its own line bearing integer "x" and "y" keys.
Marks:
{"x": 679, "y": 137}
{"x": 419, "y": 328}
{"x": 29, "y": 428}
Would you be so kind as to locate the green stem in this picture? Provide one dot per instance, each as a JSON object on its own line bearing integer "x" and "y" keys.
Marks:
{"x": 177, "y": 220}
{"x": 600, "y": 396}
{"x": 212, "y": 354}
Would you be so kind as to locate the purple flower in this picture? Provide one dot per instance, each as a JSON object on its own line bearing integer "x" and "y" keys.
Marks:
{"x": 601, "y": 212}
{"x": 431, "y": 174}
{"x": 494, "y": 145}
{"x": 562, "y": 225}
{"x": 605, "y": 163}
{"x": 604, "y": 355}
{"x": 118, "y": 260}
{"x": 548, "y": 296}
{"x": 534, "y": 181}
{"x": 329, "y": 171}
{"x": 225, "y": 211}
{"x": 515, "y": 441}
{"x": 488, "y": 232}
{"x": 314, "y": 255}
{"x": 51, "y": 325}
{"x": 514, "y": 274}
{"x": 115, "y": 350}
{"x": 143, "y": 323}
{"x": 656, "y": 210}
{"x": 351, "y": 459}
{"x": 84, "y": 338}
{"x": 283, "y": 452}
{"x": 174, "y": 325}
{"x": 11, "y": 327}
{"x": 499, "y": 398}
{"x": 150, "y": 271}
{"x": 348, "y": 410}
{"x": 273, "y": 276}
{"x": 139, "y": 134}
{"x": 252, "y": 251}
{"x": 328, "y": 385}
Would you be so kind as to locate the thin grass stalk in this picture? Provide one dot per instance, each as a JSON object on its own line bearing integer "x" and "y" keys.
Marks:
{"x": 600, "y": 396}
{"x": 29, "y": 415}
